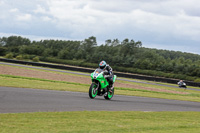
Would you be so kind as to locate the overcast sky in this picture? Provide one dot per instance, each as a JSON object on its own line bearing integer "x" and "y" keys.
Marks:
{"x": 161, "y": 24}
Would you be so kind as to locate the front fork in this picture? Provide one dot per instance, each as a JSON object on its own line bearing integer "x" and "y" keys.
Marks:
{"x": 97, "y": 86}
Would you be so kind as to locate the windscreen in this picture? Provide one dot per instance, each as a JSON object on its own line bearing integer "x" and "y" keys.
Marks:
{"x": 98, "y": 70}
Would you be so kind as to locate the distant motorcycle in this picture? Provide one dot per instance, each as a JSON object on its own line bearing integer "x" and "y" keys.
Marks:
{"x": 100, "y": 85}
{"x": 182, "y": 84}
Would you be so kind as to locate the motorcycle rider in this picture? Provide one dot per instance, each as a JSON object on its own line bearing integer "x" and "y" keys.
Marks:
{"x": 182, "y": 84}
{"x": 108, "y": 71}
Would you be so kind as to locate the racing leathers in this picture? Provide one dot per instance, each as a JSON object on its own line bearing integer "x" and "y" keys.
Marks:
{"x": 109, "y": 75}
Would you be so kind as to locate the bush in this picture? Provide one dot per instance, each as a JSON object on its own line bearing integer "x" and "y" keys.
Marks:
{"x": 197, "y": 80}
{"x": 26, "y": 56}
{"x": 19, "y": 57}
{"x": 9, "y": 56}
{"x": 36, "y": 59}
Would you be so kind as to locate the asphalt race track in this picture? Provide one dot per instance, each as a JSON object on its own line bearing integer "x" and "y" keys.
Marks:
{"x": 15, "y": 100}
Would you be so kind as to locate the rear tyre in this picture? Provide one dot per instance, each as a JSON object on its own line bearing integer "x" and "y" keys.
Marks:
{"x": 109, "y": 95}
{"x": 93, "y": 91}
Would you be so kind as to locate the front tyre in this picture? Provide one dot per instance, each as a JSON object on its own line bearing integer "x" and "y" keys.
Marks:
{"x": 109, "y": 95}
{"x": 93, "y": 91}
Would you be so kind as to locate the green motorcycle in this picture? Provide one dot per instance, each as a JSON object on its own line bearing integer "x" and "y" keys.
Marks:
{"x": 100, "y": 85}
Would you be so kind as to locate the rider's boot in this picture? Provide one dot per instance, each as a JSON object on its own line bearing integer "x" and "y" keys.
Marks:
{"x": 111, "y": 86}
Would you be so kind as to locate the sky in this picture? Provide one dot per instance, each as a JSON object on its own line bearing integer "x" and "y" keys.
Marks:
{"x": 161, "y": 24}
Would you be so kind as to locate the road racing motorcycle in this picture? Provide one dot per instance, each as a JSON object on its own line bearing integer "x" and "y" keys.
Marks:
{"x": 100, "y": 86}
{"x": 182, "y": 85}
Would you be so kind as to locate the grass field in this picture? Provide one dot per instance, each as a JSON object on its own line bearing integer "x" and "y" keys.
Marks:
{"x": 101, "y": 122}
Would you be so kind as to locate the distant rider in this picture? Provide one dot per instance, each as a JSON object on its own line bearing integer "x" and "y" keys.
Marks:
{"x": 108, "y": 71}
{"x": 182, "y": 84}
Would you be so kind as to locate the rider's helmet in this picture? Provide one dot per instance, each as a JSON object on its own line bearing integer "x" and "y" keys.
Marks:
{"x": 102, "y": 64}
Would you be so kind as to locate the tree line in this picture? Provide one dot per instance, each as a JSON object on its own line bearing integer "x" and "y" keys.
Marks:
{"x": 126, "y": 56}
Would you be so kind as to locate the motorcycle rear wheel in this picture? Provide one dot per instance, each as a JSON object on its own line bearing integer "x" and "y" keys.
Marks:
{"x": 93, "y": 91}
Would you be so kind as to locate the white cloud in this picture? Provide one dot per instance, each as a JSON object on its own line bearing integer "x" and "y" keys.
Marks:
{"x": 46, "y": 18}
{"x": 14, "y": 10}
{"x": 175, "y": 47}
{"x": 188, "y": 26}
{"x": 1, "y": 2}
{"x": 34, "y": 37}
{"x": 40, "y": 9}
{"x": 104, "y": 16}
{"x": 24, "y": 17}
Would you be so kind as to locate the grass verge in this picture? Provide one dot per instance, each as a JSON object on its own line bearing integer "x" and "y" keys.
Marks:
{"x": 36, "y": 83}
{"x": 28, "y": 82}
{"x": 101, "y": 122}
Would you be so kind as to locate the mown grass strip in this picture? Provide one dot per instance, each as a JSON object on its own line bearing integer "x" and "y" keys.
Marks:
{"x": 38, "y": 79}
{"x": 101, "y": 122}
{"x": 27, "y": 82}
{"x": 157, "y": 92}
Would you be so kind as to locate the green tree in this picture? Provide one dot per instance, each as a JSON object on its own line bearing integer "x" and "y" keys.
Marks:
{"x": 16, "y": 41}
{"x": 64, "y": 54}
{"x": 89, "y": 44}
{"x": 2, "y": 50}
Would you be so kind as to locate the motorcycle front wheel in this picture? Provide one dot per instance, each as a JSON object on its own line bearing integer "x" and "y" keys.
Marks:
{"x": 93, "y": 91}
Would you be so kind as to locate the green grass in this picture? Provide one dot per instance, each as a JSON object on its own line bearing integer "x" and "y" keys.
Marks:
{"x": 157, "y": 85}
{"x": 101, "y": 122}
{"x": 35, "y": 83}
